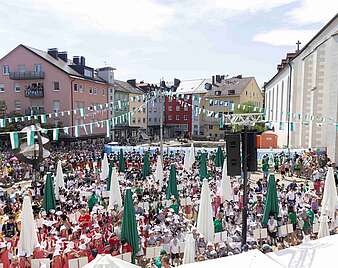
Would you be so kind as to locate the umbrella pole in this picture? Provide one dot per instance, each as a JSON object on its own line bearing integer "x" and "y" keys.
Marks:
{"x": 245, "y": 186}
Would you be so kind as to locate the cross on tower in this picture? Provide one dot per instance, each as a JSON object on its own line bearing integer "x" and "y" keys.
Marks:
{"x": 298, "y": 43}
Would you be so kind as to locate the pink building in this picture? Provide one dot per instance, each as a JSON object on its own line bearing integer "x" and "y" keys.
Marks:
{"x": 39, "y": 81}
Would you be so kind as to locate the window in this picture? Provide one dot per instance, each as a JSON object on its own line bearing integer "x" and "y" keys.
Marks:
{"x": 170, "y": 117}
{"x": 246, "y": 93}
{"x": 185, "y": 118}
{"x": 17, "y": 88}
{"x": 134, "y": 121}
{"x": 111, "y": 98}
{"x": 186, "y": 108}
{"x": 38, "y": 68}
{"x": 6, "y": 70}
{"x": 56, "y": 106}
{"x": 2, "y": 88}
{"x": 103, "y": 92}
{"x": 111, "y": 90}
{"x": 80, "y": 89}
{"x": 134, "y": 109}
{"x": 149, "y": 119}
{"x": 144, "y": 110}
{"x": 144, "y": 120}
{"x": 88, "y": 73}
{"x": 149, "y": 110}
{"x": 17, "y": 105}
{"x": 21, "y": 68}
{"x": 216, "y": 135}
{"x": 76, "y": 88}
{"x": 155, "y": 119}
{"x": 139, "y": 120}
{"x": 177, "y": 108}
{"x": 95, "y": 91}
{"x": 231, "y": 92}
{"x": 155, "y": 110}
{"x": 56, "y": 85}
{"x": 170, "y": 108}
{"x": 211, "y": 127}
{"x": 90, "y": 90}
{"x": 177, "y": 117}
{"x": 217, "y": 93}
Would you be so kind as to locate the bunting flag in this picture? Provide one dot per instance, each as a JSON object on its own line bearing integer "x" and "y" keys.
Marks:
{"x": 76, "y": 131}
{"x": 2, "y": 122}
{"x": 55, "y": 134}
{"x": 14, "y": 137}
{"x": 30, "y": 137}
{"x": 43, "y": 118}
{"x": 66, "y": 130}
{"x": 85, "y": 129}
{"x": 108, "y": 128}
{"x": 82, "y": 113}
{"x": 91, "y": 128}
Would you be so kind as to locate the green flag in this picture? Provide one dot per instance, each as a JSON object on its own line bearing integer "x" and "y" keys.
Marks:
{"x": 122, "y": 162}
{"x": 129, "y": 231}
{"x": 146, "y": 165}
{"x": 48, "y": 202}
{"x": 219, "y": 158}
{"x": 203, "y": 172}
{"x": 92, "y": 201}
{"x": 271, "y": 201}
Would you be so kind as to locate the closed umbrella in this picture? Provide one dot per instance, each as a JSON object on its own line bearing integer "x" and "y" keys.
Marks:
{"x": 59, "y": 180}
{"x": 48, "y": 202}
{"x": 146, "y": 165}
{"x": 271, "y": 206}
{"x": 323, "y": 226}
{"x": 172, "y": 184}
{"x": 219, "y": 158}
{"x": 205, "y": 224}
{"x": 129, "y": 231}
{"x": 225, "y": 190}
{"x": 122, "y": 162}
{"x": 159, "y": 176}
{"x": 192, "y": 154}
{"x": 203, "y": 171}
{"x": 28, "y": 236}
{"x": 115, "y": 193}
{"x": 108, "y": 179}
{"x": 104, "y": 167}
{"x": 329, "y": 201}
{"x": 189, "y": 249}
{"x": 187, "y": 160}
{"x": 92, "y": 201}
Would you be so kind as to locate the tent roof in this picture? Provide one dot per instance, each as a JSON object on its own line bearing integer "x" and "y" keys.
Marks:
{"x": 311, "y": 254}
{"x": 107, "y": 261}
{"x": 252, "y": 258}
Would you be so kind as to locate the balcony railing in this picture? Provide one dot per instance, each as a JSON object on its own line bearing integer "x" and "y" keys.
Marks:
{"x": 26, "y": 75}
{"x": 34, "y": 92}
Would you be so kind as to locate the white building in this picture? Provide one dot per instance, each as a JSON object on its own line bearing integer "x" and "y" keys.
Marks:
{"x": 312, "y": 93}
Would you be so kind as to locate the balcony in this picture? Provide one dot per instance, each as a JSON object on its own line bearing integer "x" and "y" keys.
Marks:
{"x": 26, "y": 75}
{"x": 34, "y": 92}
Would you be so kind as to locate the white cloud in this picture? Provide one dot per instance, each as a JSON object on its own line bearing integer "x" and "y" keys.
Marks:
{"x": 141, "y": 17}
{"x": 313, "y": 11}
{"x": 284, "y": 37}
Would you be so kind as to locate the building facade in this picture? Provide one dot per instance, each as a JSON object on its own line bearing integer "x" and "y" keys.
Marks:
{"x": 312, "y": 101}
{"x": 33, "y": 81}
{"x": 222, "y": 94}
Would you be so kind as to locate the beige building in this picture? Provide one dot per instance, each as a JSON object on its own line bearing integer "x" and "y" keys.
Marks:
{"x": 138, "y": 109}
{"x": 223, "y": 96}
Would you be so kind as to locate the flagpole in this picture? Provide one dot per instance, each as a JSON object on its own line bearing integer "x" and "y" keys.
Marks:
{"x": 161, "y": 121}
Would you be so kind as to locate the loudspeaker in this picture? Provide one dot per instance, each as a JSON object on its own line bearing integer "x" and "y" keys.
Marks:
{"x": 251, "y": 148}
{"x": 233, "y": 155}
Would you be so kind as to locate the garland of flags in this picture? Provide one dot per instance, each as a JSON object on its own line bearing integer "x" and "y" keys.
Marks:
{"x": 105, "y": 123}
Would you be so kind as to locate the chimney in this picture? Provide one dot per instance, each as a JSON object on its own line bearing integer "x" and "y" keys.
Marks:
{"x": 63, "y": 56}
{"x": 177, "y": 82}
{"x": 76, "y": 60}
{"x": 53, "y": 52}
{"x": 213, "y": 80}
{"x": 132, "y": 82}
{"x": 218, "y": 78}
{"x": 83, "y": 61}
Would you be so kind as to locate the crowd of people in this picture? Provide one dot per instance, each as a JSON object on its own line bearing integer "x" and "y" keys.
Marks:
{"x": 77, "y": 228}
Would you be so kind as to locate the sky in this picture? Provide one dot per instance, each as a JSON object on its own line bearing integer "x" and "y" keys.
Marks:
{"x": 153, "y": 39}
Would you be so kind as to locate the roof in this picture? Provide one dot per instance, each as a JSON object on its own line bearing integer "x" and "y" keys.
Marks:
{"x": 305, "y": 47}
{"x": 126, "y": 87}
{"x": 236, "y": 84}
{"x": 194, "y": 86}
{"x": 59, "y": 63}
